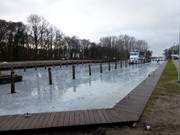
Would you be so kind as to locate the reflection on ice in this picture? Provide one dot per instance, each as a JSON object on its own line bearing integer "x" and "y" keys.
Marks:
{"x": 104, "y": 90}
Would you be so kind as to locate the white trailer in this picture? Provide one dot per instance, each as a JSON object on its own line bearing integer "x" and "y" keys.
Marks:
{"x": 136, "y": 57}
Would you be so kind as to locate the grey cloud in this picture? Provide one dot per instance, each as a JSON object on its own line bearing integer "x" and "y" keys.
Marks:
{"x": 156, "y": 21}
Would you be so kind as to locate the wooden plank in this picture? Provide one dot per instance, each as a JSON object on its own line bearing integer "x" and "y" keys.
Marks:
{"x": 97, "y": 118}
{"x": 131, "y": 102}
{"x": 106, "y": 116}
{"x": 91, "y": 117}
{"x": 77, "y": 117}
{"x": 36, "y": 118}
{"x": 101, "y": 116}
{"x": 50, "y": 121}
{"x": 26, "y": 122}
{"x": 39, "y": 123}
{"x": 14, "y": 122}
{"x": 66, "y": 119}
{"x": 82, "y": 118}
{"x": 113, "y": 116}
{"x": 61, "y": 119}
{"x": 86, "y": 115}
{"x": 127, "y": 116}
{"x": 4, "y": 120}
{"x": 45, "y": 120}
{"x": 72, "y": 118}
{"x": 7, "y": 122}
{"x": 120, "y": 115}
{"x": 56, "y": 119}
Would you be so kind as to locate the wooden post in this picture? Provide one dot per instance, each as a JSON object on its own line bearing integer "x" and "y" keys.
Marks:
{"x": 109, "y": 66}
{"x": 125, "y": 63}
{"x": 101, "y": 71}
{"x": 73, "y": 71}
{"x": 89, "y": 69}
{"x": 50, "y": 76}
{"x": 24, "y": 69}
{"x": 35, "y": 67}
{"x": 12, "y": 81}
{"x": 45, "y": 67}
{"x": 115, "y": 67}
{"x": 121, "y": 63}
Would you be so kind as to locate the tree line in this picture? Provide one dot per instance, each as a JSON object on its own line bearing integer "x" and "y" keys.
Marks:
{"x": 172, "y": 50}
{"x": 39, "y": 40}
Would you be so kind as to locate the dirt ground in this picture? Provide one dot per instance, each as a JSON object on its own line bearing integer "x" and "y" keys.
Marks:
{"x": 164, "y": 119}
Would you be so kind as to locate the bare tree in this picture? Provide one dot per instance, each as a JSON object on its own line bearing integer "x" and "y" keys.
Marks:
{"x": 40, "y": 40}
{"x": 34, "y": 27}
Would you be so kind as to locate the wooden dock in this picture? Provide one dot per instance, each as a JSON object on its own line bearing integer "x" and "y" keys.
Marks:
{"x": 7, "y": 78}
{"x": 129, "y": 109}
{"x": 30, "y": 64}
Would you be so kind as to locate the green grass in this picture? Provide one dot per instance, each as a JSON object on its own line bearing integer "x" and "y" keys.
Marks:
{"x": 167, "y": 86}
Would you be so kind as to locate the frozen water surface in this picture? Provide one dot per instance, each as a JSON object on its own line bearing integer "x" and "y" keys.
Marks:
{"x": 34, "y": 94}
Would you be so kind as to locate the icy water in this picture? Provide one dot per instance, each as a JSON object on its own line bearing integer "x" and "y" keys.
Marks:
{"x": 34, "y": 94}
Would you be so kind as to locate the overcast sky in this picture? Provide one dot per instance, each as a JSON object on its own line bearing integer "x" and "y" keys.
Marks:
{"x": 156, "y": 21}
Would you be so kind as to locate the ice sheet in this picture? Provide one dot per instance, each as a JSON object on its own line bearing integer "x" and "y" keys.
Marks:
{"x": 34, "y": 94}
